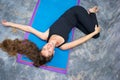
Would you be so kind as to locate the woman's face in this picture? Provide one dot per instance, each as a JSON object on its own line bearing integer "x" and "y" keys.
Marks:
{"x": 47, "y": 50}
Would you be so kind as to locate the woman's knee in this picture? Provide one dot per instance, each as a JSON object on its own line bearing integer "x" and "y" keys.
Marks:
{"x": 78, "y": 8}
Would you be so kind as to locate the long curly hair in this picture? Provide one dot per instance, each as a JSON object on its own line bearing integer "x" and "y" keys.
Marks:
{"x": 25, "y": 47}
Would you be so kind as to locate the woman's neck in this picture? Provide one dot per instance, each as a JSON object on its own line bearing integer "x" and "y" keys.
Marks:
{"x": 54, "y": 42}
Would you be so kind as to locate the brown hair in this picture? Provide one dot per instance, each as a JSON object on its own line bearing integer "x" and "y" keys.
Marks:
{"x": 25, "y": 47}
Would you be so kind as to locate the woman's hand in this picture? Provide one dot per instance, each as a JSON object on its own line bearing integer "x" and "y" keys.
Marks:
{"x": 97, "y": 29}
{"x": 5, "y": 23}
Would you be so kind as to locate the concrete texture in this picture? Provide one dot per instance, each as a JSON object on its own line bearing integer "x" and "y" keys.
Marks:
{"x": 97, "y": 59}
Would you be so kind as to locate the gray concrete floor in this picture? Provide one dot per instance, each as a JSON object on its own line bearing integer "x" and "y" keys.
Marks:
{"x": 97, "y": 59}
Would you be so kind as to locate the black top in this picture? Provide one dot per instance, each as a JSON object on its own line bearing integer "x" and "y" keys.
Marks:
{"x": 78, "y": 17}
{"x": 64, "y": 25}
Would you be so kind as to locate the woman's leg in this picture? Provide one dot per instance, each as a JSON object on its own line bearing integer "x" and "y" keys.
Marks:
{"x": 86, "y": 22}
{"x": 94, "y": 21}
{"x": 93, "y": 18}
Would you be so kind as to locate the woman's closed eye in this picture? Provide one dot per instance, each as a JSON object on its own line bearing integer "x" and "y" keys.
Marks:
{"x": 43, "y": 49}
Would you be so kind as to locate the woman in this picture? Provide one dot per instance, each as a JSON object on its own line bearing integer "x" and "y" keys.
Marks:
{"x": 56, "y": 35}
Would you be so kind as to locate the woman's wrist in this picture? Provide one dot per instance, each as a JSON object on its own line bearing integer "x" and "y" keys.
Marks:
{"x": 9, "y": 23}
{"x": 94, "y": 33}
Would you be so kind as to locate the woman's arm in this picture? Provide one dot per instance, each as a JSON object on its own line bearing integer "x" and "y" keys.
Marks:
{"x": 80, "y": 40}
{"x": 25, "y": 28}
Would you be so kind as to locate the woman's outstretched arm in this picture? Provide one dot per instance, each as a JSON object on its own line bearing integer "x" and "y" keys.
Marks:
{"x": 25, "y": 28}
{"x": 80, "y": 40}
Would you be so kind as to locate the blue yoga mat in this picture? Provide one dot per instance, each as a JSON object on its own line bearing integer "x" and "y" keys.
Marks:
{"x": 45, "y": 14}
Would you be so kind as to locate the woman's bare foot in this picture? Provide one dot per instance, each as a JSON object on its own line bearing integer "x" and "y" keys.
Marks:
{"x": 94, "y": 9}
{"x": 5, "y": 23}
